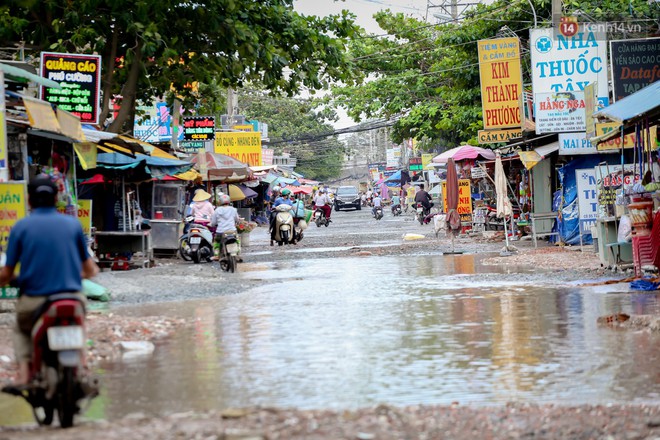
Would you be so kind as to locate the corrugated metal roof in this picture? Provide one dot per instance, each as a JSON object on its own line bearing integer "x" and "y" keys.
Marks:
{"x": 634, "y": 106}
{"x": 548, "y": 149}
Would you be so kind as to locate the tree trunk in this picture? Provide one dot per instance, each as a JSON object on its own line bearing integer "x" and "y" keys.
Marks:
{"x": 108, "y": 78}
{"x": 129, "y": 91}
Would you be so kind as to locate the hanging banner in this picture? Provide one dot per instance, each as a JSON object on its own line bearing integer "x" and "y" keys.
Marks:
{"x": 563, "y": 66}
{"x": 501, "y": 82}
{"x": 87, "y": 154}
{"x": 243, "y": 146}
{"x": 80, "y": 78}
{"x": 13, "y": 207}
{"x": 559, "y": 112}
{"x": 635, "y": 65}
{"x": 464, "y": 208}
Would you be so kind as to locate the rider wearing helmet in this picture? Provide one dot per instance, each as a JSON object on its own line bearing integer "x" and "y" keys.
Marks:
{"x": 284, "y": 199}
{"x": 225, "y": 218}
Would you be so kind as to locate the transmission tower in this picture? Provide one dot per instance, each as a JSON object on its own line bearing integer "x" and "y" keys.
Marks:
{"x": 444, "y": 11}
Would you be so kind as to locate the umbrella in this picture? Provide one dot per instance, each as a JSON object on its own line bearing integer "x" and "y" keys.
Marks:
{"x": 235, "y": 193}
{"x": 223, "y": 168}
{"x": 464, "y": 152}
{"x": 249, "y": 193}
{"x": 503, "y": 203}
{"x": 305, "y": 189}
{"x": 453, "y": 218}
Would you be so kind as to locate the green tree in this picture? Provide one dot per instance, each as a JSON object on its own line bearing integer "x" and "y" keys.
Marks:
{"x": 150, "y": 47}
{"x": 426, "y": 77}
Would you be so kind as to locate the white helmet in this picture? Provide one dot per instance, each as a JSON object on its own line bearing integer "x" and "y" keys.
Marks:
{"x": 277, "y": 188}
{"x": 224, "y": 199}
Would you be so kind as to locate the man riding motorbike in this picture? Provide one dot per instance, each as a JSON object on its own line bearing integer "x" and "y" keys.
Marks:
{"x": 378, "y": 203}
{"x": 52, "y": 251}
{"x": 224, "y": 219}
{"x": 323, "y": 202}
{"x": 424, "y": 198}
{"x": 396, "y": 203}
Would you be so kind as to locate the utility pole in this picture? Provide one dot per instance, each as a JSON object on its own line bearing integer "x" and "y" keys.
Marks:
{"x": 232, "y": 103}
{"x": 556, "y": 13}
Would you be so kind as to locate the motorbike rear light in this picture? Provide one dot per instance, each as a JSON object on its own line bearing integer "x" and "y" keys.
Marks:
{"x": 194, "y": 231}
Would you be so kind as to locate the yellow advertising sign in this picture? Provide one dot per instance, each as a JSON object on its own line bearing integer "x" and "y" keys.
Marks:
{"x": 243, "y": 146}
{"x": 496, "y": 136}
{"x": 464, "y": 199}
{"x": 615, "y": 142}
{"x": 244, "y": 127}
{"x": 426, "y": 159}
{"x": 501, "y": 82}
{"x": 84, "y": 215}
{"x": 13, "y": 207}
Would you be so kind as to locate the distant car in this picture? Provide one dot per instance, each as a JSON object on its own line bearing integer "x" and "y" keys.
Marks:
{"x": 347, "y": 197}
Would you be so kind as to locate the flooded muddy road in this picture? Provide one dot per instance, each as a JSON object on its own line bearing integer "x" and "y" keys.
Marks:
{"x": 334, "y": 324}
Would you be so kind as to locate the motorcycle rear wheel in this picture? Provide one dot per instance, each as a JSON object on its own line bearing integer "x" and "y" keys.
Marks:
{"x": 66, "y": 397}
{"x": 183, "y": 249}
{"x": 195, "y": 256}
{"x": 232, "y": 264}
{"x": 318, "y": 222}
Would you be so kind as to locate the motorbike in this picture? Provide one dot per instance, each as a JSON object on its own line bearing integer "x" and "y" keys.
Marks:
{"x": 57, "y": 381}
{"x": 421, "y": 213}
{"x": 378, "y": 213}
{"x": 229, "y": 248}
{"x": 197, "y": 243}
{"x": 396, "y": 210}
{"x": 284, "y": 226}
{"x": 320, "y": 219}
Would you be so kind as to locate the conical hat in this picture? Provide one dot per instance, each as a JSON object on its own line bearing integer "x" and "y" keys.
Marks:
{"x": 201, "y": 195}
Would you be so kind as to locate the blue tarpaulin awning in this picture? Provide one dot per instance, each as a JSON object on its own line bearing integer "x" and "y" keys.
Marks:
{"x": 641, "y": 103}
{"x": 158, "y": 167}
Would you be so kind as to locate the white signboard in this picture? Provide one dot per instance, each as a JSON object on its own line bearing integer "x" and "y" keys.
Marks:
{"x": 559, "y": 112}
{"x": 567, "y": 64}
{"x": 575, "y": 143}
{"x": 393, "y": 157}
{"x": 478, "y": 173}
{"x": 587, "y": 197}
{"x": 610, "y": 182}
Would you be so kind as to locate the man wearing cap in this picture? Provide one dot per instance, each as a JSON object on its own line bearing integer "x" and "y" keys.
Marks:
{"x": 52, "y": 251}
{"x": 202, "y": 209}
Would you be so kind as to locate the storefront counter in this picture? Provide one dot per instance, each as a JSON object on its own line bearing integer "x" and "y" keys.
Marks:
{"x": 124, "y": 242}
{"x": 610, "y": 251}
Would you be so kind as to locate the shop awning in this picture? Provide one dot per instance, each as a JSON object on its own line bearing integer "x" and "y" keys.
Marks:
{"x": 70, "y": 125}
{"x": 41, "y": 115}
{"x": 531, "y": 158}
{"x": 20, "y": 75}
{"x": 157, "y": 166}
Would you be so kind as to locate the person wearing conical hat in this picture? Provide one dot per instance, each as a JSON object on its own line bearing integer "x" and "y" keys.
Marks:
{"x": 202, "y": 209}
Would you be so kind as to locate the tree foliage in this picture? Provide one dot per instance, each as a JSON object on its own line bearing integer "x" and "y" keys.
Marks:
{"x": 426, "y": 77}
{"x": 150, "y": 47}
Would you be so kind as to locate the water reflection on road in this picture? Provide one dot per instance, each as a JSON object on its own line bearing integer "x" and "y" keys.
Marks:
{"x": 351, "y": 332}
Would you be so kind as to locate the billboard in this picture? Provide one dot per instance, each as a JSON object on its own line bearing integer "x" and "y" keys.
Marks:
{"x": 464, "y": 208}
{"x": 80, "y": 78}
{"x": 635, "y": 65}
{"x": 199, "y": 128}
{"x": 154, "y": 123}
{"x": 501, "y": 82}
{"x": 563, "y": 66}
{"x": 559, "y": 112}
{"x": 614, "y": 144}
{"x": 241, "y": 145}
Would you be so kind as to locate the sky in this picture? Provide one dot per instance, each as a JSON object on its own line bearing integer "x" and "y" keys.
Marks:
{"x": 364, "y": 10}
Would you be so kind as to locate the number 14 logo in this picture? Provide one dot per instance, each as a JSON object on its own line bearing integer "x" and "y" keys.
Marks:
{"x": 568, "y": 26}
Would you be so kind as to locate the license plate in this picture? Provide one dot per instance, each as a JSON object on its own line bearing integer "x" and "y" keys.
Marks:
{"x": 232, "y": 248}
{"x": 66, "y": 338}
{"x": 195, "y": 240}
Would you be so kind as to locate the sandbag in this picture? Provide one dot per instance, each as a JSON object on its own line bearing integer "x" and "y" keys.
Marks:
{"x": 95, "y": 291}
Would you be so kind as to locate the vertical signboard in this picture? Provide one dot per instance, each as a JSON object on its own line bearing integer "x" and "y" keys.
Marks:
{"x": 587, "y": 197}
{"x": 464, "y": 208}
{"x": 13, "y": 207}
{"x": 635, "y": 65}
{"x": 80, "y": 78}
{"x": 4, "y": 174}
{"x": 561, "y": 68}
{"x": 501, "y": 82}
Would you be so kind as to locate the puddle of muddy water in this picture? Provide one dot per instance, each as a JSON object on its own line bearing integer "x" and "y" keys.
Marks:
{"x": 352, "y": 332}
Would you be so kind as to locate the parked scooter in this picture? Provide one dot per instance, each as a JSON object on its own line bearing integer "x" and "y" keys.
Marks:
{"x": 228, "y": 255}
{"x": 197, "y": 243}
{"x": 378, "y": 213}
{"x": 57, "y": 381}
{"x": 396, "y": 210}
{"x": 284, "y": 226}
{"x": 320, "y": 219}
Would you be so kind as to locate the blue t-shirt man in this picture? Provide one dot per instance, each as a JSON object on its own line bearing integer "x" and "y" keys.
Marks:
{"x": 50, "y": 262}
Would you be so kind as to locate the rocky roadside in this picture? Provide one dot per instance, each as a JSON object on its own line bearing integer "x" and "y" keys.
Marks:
{"x": 383, "y": 422}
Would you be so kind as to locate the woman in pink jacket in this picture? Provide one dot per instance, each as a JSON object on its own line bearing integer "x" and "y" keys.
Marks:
{"x": 202, "y": 209}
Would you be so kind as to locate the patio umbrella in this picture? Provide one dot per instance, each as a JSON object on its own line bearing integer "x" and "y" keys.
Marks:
{"x": 222, "y": 168}
{"x": 235, "y": 193}
{"x": 464, "y": 152}
{"x": 453, "y": 218}
{"x": 503, "y": 203}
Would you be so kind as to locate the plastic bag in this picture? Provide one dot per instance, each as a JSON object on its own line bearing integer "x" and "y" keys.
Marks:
{"x": 625, "y": 229}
